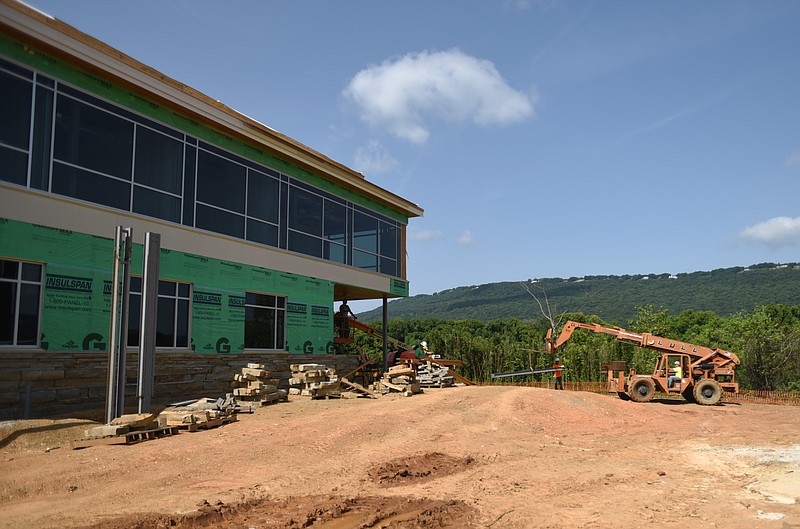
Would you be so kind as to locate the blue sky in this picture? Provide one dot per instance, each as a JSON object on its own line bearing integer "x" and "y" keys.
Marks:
{"x": 543, "y": 138}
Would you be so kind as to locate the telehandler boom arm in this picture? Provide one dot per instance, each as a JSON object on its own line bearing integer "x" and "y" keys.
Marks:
{"x": 698, "y": 353}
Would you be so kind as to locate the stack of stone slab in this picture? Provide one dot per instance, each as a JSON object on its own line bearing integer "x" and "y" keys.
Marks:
{"x": 432, "y": 375}
{"x": 399, "y": 379}
{"x": 203, "y": 413}
{"x": 314, "y": 380}
{"x": 254, "y": 387}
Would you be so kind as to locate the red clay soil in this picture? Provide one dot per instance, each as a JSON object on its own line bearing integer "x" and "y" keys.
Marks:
{"x": 463, "y": 457}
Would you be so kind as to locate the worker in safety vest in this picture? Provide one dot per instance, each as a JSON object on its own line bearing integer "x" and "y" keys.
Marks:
{"x": 676, "y": 374}
{"x": 558, "y": 374}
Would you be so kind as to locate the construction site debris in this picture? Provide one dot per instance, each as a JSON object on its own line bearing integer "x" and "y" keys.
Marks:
{"x": 432, "y": 375}
{"x": 400, "y": 379}
{"x": 314, "y": 380}
{"x": 253, "y": 387}
{"x": 200, "y": 414}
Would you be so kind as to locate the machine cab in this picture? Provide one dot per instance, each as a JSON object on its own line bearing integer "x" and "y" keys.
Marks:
{"x": 673, "y": 372}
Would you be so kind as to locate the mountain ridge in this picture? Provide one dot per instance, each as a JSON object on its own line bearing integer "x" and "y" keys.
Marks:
{"x": 614, "y": 298}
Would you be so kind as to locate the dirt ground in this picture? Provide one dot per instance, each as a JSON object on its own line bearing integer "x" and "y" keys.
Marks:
{"x": 462, "y": 457}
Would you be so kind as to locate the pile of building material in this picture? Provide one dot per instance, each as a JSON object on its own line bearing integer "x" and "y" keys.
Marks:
{"x": 401, "y": 379}
{"x": 314, "y": 380}
{"x": 432, "y": 375}
{"x": 199, "y": 414}
{"x": 127, "y": 429}
{"x": 253, "y": 387}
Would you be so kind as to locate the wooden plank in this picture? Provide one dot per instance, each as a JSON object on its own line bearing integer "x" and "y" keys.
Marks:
{"x": 460, "y": 378}
{"x": 357, "y": 387}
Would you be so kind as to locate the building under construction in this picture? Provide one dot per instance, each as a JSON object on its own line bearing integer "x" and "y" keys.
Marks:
{"x": 259, "y": 234}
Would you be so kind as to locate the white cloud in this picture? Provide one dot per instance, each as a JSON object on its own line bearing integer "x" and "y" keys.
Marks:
{"x": 779, "y": 231}
{"x": 425, "y": 235}
{"x": 374, "y": 158}
{"x": 401, "y": 95}
{"x": 466, "y": 238}
{"x": 793, "y": 160}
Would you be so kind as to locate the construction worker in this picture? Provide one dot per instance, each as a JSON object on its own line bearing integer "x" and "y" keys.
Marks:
{"x": 676, "y": 374}
{"x": 558, "y": 374}
{"x": 342, "y": 321}
{"x": 421, "y": 350}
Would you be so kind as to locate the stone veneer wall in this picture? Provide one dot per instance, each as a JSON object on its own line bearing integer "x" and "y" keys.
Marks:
{"x": 52, "y": 384}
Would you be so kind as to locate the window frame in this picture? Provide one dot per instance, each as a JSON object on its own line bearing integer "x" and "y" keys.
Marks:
{"x": 177, "y": 298}
{"x": 279, "y": 329}
{"x": 18, "y": 281}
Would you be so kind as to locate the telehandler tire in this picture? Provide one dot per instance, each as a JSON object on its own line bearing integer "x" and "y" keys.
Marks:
{"x": 707, "y": 392}
{"x": 642, "y": 390}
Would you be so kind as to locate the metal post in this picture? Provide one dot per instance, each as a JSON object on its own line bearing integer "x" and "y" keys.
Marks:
{"x": 149, "y": 319}
{"x": 111, "y": 389}
{"x": 123, "y": 323}
{"x": 118, "y": 328}
{"x": 385, "y": 335}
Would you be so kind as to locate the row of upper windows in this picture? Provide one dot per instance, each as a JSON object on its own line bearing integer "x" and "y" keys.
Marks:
{"x": 62, "y": 140}
{"x": 20, "y": 311}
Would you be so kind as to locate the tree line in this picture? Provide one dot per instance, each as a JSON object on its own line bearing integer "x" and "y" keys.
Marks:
{"x": 766, "y": 340}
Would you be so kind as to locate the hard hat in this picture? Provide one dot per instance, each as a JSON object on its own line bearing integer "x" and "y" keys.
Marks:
{"x": 424, "y": 344}
{"x": 558, "y": 360}
{"x": 677, "y": 363}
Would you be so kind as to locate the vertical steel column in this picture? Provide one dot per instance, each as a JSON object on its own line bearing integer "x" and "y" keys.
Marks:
{"x": 149, "y": 319}
{"x": 118, "y": 329}
{"x": 385, "y": 335}
{"x": 123, "y": 321}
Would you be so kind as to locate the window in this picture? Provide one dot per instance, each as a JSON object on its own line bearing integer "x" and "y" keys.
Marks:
{"x": 159, "y": 161}
{"x": 64, "y": 140}
{"x": 172, "y": 324}
{"x": 264, "y": 321}
{"x": 220, "y": 182}
{"x": 15, "y": 109}
{"x": 20, "y": 295}
{"x": 93, "y": 139}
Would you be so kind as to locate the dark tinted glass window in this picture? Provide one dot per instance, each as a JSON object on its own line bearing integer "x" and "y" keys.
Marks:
{"x": 43, "y": 129}
{"x": 93, "y": 138}
{"x": 91, "y": 187}
{"x": 165, "y": 324}
{"x": 262, "y": 197}
{"x": 335, "y": 222}
{"x": 159, "y": 161}
{"x": 219, "y": 221}
{"x": 15, "y": 109}
{"x": 13, "y": 166}
{"x": 20, "y": 291}
{"x": 220, "y": 182}
{"x": 306, "y": 244}
{"x": 365, "y": 260}
{"x": 305, "y": 212}
{"x": 155, "y": 204}
{"x": 265, "y": 319}
{"x": 334, "y": 252}
{"x": 262, "y": 232}
{"x": 388, "y": 240}
{"x": 389, "y": 267}
{"x": 365, "y": 232}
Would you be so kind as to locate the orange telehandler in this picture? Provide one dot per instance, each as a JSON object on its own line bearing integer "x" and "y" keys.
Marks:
{"x": 705, "y": 372}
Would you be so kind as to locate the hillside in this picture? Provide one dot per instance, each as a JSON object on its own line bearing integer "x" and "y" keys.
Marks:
{"x": 614, "y": 298}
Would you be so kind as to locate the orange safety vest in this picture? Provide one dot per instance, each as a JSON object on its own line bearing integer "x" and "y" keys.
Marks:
{"x": 559, "y": 372}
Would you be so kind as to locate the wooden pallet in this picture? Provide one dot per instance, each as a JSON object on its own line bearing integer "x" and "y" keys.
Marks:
{"x": 126, "y": 438}
{"x": 205, "y": 425}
